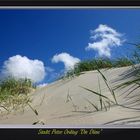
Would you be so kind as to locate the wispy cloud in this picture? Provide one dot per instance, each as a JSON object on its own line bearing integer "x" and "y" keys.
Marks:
{"x": 22, "y": 67}
{"x": 68, "y": 60}
{"x": 104, "y": 38}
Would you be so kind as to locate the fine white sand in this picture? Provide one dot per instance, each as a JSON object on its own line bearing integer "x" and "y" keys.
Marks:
{"x": 63, "y": 103}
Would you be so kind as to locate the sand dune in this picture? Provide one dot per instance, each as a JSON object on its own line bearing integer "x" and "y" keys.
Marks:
{"x": 64, "y": 102}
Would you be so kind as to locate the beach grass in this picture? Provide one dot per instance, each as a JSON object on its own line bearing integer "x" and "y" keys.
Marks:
{"x": 14, "y": 94}
{"x": 102, "y": 98}
{"x": 98, "y": 63}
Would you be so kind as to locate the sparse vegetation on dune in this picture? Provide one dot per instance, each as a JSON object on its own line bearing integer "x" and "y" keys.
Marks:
{"x": 105, "y": 102}
{"x": 123, "y": 62}
{"x": 134, "y": 81}
{"x": 14, "y": 93}
{"x": 13, "y": 86}
{"x": 100, "y": 63}
{"x": 97, "y": 64}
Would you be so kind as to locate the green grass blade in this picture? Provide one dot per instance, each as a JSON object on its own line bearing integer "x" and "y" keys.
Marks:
{"x": 125, "y": 84}
{"x": 4, "y": 108}
{"x": 92, "y": 104}
{"x": 96, "y": 93}
{"x": 131, "y": 91}
{"x": 100, "y": 97}
{"x": 34, "y": 110}
{"x": 35, "y": 123}
{"x": 109, "y": 105}
{"x": 110, "y": 89}
{"x": 102, "y": 75}
{"x": 105, "y": 106}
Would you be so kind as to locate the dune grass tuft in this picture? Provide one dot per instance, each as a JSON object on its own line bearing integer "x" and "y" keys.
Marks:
{"x": 98, "y": 63}
{"x": 14, "y": 93}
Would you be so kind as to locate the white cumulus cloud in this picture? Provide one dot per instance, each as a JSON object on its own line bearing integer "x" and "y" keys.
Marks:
{"x": 68, "y": 60}
{"x": 104, "y": 38}
{"x": 22, "y": 67}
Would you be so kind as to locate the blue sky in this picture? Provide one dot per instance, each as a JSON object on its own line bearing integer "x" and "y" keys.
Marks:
{"x": 41, "y": 34}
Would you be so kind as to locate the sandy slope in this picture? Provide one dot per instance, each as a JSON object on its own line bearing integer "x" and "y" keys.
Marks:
{"x": 63, "y": 103}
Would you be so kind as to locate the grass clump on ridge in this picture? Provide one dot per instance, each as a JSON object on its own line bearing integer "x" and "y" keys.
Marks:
{"x": 14, "y": 96}
{"x": 99, "y": 63}
{"x": 14, "y": 93}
